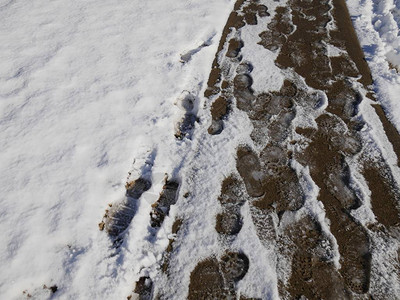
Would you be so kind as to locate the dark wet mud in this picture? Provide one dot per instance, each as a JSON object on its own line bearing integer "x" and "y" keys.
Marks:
{"x": 385, "y": 195}
{"x": 216, "y": 278}
{"x": 219, "y": 112}
{"x": 330, "y": 172}
{"x": 313, "y": 273}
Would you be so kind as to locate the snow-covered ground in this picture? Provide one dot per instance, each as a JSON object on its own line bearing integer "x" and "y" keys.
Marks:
{"x": 87, "y": 87}
{"x": 91, "y": 90}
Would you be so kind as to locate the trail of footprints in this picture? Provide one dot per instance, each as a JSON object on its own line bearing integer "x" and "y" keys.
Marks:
{"x": 119, "y": 215}
{"x": 216, "y": 278}
{"x": 266, "y": 172}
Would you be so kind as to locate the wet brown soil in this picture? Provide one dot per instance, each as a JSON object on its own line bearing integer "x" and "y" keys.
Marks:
{"x": 384, "y": 195}
{"x": 216, "y": 279}
{"x": 244, "y": 13}
{"x": 234, "y": 21}
{"x": 219, "y": 112}
{"x": 347, "y": 33}
{"x": 207, "y": 282}
{"x": 325, "y": 154}
{"x": 329, "y": 146}
{"x": 313, "y": 273}
{"x": 229, "y": 221}
{"x": 330, "y": 172}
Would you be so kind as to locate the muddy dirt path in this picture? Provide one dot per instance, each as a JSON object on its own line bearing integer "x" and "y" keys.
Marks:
{"x": 344, "y": 259}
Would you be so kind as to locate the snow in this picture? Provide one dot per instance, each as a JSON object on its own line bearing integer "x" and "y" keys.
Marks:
{"x": 86, "y": 87}
{"x": 314, "y": 207}
{"x": 266, "y": 75}
{"x": 261, "y": 278}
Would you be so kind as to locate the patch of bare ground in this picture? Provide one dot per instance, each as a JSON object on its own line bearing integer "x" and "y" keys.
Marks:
{"x": 345, "y": 32}
{"x": 385, "y": 195}
{"x": 143, "y": 289}
{"x": 234, "y": 21}
{"x": 216, "y": 278}
{"x": 278, "y": 29}
{"x": 391, "y": 132}
{"x": 313, "y": 272}
{"x": 270, "y": 179}
{"x": 305, "y": 52}
{"x": 219, "y": 112}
